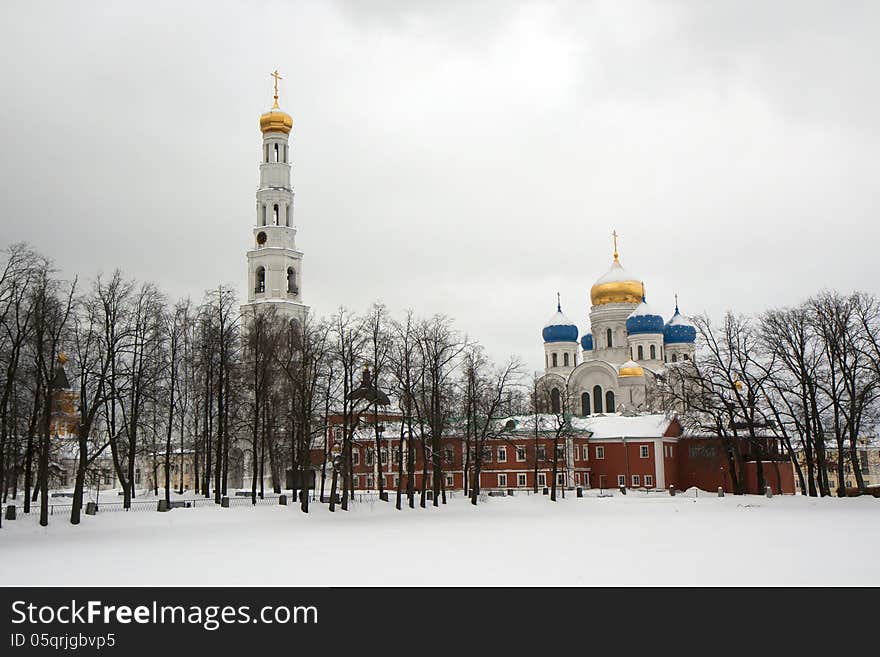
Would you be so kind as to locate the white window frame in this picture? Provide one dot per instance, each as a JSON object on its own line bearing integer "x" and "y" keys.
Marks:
{"x": 600, "y": 452}
{"x": 355, "y": 457}
{"x": 502, "y": 454}
{"x": 502, "y": 480}
{"x": 649, "y": 481}
{"x": 636, "y": 481}
{"x": 520, "y": 449}
{"x": 644, "y": 452}
{"x": 522, "y": 480}
{"x": 621, "y": 480}
{"x": 560, "y": 479}
{"x": 450, "y": 479}
{"x": 542, "y": 480}
{"x": 586, "y": 452}
{"x": 542, "y": 453}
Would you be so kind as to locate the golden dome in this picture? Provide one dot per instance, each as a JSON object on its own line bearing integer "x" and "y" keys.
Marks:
{"x": 631, "y": 368}
{"x": 616, "y": 286}
{"x": 276, "y": 121}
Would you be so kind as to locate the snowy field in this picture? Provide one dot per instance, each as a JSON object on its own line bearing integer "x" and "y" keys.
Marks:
{"x": 637, "y": 539}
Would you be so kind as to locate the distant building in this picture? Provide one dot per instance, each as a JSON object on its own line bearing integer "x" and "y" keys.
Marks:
{"x": 869, "y": 464}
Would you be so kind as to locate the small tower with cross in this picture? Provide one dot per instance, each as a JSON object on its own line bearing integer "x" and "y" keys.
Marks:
{"x": 274, "y": 262}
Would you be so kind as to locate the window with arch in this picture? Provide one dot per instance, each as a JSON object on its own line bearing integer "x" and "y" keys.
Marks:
{"x": 275, "y": 214}
{"x": 291, "y": 280}
{"x": 585, "y": 403}
{"x": 267, "y": 153}
{"x": 597, "y": 399}
{"x": 285, "y": 153}
{"x": 555, "y": 359}
{"x": 609, "y": 402}
{"x": 277, "y": 154}
{"x": 565, "y": 359}
{"x": 674, "y": 358}
{"x": 546, "y": 361}
{"x": 608, "y": 338}
{"x": 686, "y": 357}
{"x": 264, "y": 214}
{"x": 641, "y": 353}
{"x": 555, "y": 402}
{"x": 653, "y": 352}
{"x": 260, "y": 284}
{"x": 287, "y": 217}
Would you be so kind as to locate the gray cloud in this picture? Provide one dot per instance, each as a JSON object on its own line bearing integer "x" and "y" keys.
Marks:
{"x": 467, "y": 158}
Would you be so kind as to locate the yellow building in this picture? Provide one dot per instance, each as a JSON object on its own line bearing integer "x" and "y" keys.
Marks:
{"x": 869, "y": 465}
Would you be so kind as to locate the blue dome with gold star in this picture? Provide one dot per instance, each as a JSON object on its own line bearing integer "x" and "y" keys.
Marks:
{"x": 560, "y": 328}
{"x": 644, "y": 320}
{"x": 679, "y": 330}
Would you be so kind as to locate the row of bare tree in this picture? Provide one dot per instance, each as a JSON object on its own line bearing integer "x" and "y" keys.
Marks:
{"x": 159, "y": 382}
{"x": 807, "y": 377}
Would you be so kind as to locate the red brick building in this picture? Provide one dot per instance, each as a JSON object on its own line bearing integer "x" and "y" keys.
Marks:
{"x": 598, "y": 451}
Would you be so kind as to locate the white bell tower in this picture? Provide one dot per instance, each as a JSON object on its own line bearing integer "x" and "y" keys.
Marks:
{"x": 274, "y": 263}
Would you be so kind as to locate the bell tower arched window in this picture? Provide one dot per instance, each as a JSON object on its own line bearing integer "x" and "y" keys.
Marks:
{"x": 608, "y": 337}
{"x": 597, "y": 399}
{"x": 277, "y": 155}
{"x": 275, "y": 214}
{"x": 565, "y": 359}
{"x": 555, "y": 361}
{"x": 287, "y": 218}
{"x": 264, "y": 215}
{"x": 609, "y": 401}
{"x": 260, "y": 282}
{"x": 653, "y": 352}
{"x": 641, "y": 352}
{"x": 291, "y": 280}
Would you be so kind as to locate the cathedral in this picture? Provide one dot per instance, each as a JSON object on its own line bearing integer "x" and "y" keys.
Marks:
{"x": 274, "y": 262}
{"x": 627, "y": 345}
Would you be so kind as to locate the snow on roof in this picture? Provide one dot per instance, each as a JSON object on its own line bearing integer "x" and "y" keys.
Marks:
{"x": 679, "y": 320}
{"x": 559, "y": 319}
{"x": 612, "y": 425}
{"x": 644, "y": 309}
{"x": 629, "y": 426}
{"x": 616, "y": 274}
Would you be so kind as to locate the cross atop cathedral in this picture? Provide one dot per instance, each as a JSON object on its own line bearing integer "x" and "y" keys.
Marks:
{"x": 558, "y": 302}
{"x": 277, "y": 77}
{"x": 614, "y": 238}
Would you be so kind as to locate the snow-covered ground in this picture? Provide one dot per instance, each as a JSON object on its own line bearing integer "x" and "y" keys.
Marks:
{"x": 637, "y": 539}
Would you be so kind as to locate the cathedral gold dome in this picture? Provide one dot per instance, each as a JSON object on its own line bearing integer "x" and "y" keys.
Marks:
{"x": 616, "y": 286}
{"x": 276, "y": 121}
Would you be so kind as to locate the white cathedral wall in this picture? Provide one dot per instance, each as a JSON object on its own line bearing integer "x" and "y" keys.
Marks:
{"x": 645, "y": 340}
{"x": 613, "y": 316}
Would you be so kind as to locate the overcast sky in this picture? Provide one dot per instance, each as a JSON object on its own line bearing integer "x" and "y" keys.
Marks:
{"x": 470, "y": 158}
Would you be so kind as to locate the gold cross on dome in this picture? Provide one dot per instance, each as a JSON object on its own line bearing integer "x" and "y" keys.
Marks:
{"x": 277, "y": 77}
{"x": 614, "y": 238}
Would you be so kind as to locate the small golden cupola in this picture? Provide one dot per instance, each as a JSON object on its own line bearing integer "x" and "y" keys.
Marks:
{"x": 630, "y": 368}
{"x": 616, "y": 286}
{"x": 275, "y": 120}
